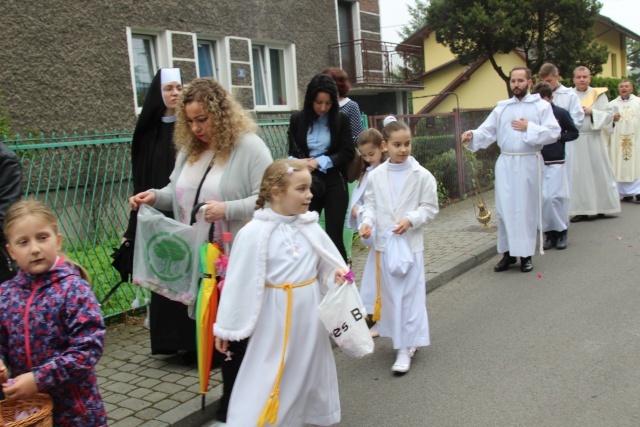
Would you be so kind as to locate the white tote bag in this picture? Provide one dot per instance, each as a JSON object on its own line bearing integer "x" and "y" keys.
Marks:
{"x": 342, "y": 313}
{"x": 165, "y": 258}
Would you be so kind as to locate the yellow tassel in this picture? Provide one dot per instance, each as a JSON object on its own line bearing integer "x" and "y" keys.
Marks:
{"x": 376, "y": 310}
{"x": 378, "y": 305}
{"x": 270, "y": 411}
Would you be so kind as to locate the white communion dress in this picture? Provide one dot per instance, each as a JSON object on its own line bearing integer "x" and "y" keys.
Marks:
{"x": 288, "y": 250}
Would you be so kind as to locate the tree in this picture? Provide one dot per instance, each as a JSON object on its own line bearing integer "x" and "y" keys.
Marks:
{"x": 170, "y": 252}
{"x": 633, "y": 61}
{"x": 558, "y": 31}
{"x": 418, "y": 20}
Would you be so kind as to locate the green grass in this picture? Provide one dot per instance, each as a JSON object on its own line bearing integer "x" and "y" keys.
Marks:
{"x": 97, "y": 261}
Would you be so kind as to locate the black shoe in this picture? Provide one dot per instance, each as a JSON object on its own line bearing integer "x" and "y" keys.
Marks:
{"x": 525, "y": 264}
{"x": 627, "y": 198}
{"x": 550, "y": 240}
{"x": 600, "y": 215}
{"x": 505, "y": 262}
{"x": 562, "y": 240}
{"x": 637, "y": 197}
{"x": 579, "y": 218}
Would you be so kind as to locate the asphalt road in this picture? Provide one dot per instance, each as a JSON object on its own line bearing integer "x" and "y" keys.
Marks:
{"x": 559, "y": 346}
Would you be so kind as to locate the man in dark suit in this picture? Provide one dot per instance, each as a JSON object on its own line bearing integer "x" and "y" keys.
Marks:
{"x": 555, "y": 204}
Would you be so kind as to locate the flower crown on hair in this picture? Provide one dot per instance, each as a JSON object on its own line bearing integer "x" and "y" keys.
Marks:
{"x": 388, "y": 120}
{"x": 289, "y": 170}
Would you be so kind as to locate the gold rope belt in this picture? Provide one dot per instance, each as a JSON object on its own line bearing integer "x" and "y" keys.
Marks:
{"x": 270, "y": 411}
{"x": 378, "y": 305}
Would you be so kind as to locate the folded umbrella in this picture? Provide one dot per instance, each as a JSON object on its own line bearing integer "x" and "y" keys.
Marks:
{"x": 123, "y": 263}
{"x": 206, "y": 310}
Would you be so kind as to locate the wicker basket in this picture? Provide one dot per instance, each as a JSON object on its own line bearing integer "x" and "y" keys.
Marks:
{"x": 42, "y": 418}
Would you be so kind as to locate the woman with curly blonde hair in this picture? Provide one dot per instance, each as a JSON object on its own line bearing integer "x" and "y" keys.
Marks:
{"x": 220, "y": 163}
{"x": 230, "y": 120}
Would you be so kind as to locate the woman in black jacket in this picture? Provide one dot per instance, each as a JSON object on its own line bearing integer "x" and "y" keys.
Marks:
{"x": 320, "y": 135}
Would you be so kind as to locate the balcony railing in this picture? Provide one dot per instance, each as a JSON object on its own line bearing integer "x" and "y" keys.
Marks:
{"x": 374, "y": 62}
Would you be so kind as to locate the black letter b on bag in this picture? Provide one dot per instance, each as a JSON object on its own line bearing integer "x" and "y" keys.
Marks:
{"x": 356, "y": 314}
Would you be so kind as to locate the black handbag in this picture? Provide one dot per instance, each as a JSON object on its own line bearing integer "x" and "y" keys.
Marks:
{"x": 318, "y": 186}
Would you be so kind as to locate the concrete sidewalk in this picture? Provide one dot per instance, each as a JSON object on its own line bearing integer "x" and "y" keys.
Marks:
{"x": 144, "y": 390}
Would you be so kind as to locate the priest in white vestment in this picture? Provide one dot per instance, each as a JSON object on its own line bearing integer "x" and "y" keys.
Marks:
{"x": 624, "y": 145}
{"x": 593, "y": 188}
{"x": 521, "y": 125}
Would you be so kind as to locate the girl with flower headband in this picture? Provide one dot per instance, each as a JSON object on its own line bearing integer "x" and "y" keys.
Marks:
{"x": 370, "y": 146}
{"x": 401, "y": 197}
{"x": 281, "y": 265}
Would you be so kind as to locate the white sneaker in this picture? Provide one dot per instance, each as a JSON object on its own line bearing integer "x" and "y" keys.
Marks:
{"x": 403, "y": 360}
{"x": 374, "y": 331}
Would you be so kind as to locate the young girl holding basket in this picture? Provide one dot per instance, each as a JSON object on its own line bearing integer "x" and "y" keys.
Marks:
{"x": 51, "y": 328}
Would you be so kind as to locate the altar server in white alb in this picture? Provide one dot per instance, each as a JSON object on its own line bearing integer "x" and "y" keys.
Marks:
{"x": 593, "y": 190}
{"x": 281, "y": 264}
{"x": 401, "y": 197}
{"x": 624, "y": 145}
{"x": 555, "y": 203}
{"x": 564, "y": 97}
{"x": 521, "y": 125}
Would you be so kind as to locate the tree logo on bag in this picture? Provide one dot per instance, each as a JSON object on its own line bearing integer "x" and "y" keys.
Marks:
{"x": 169, "y": 256}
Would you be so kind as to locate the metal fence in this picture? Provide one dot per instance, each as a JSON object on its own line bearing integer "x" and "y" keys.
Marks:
{"x": 436, "y": 144}
{"x": 86, "y": 180}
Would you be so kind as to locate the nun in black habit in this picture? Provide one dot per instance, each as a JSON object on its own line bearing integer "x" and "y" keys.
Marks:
{"x": 152, "y": 159}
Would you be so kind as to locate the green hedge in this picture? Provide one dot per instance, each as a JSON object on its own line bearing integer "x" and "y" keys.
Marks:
{"x": 425, "y": 148}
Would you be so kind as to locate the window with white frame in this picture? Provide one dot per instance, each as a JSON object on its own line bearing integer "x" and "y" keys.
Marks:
{"x": 143, "y": 55}
{"x": 271, "y": 76}
{"x": 207, "y": 59}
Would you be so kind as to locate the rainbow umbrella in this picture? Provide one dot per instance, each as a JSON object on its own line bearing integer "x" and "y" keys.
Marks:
{"x": 206, "y": 310}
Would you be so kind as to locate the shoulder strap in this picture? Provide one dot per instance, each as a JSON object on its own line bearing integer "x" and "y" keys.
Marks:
{"x": 197, "y": 205}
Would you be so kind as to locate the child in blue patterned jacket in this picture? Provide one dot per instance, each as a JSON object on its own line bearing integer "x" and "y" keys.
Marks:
{"x": 51, "y": 329}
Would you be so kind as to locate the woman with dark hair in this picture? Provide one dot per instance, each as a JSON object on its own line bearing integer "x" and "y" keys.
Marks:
{"x": 351, "y": 109}
{"x": 320, "y": 135}
{"x": 347, "y": 106}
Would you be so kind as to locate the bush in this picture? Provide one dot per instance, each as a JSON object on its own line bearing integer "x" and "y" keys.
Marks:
{"x": 5, "y": 120}
{"x": 434, "y": 125}
{"x": 479, "y": 170}
{"x": 444, "y": 168}
{"x": 426, "y": 148}
{"x": 443, "y": 195}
